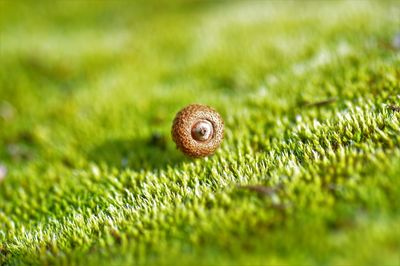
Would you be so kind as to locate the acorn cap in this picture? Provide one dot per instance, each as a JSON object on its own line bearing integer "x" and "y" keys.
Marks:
{"x": 198, "y": 130}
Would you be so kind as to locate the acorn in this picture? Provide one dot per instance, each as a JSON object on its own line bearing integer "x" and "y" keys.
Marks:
{"x": 198, "y": 130}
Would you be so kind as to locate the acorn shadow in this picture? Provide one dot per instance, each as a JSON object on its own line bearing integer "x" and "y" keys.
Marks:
{"x": 151, "y": 153}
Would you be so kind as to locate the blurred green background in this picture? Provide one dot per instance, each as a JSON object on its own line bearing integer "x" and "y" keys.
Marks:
{"x": 308, "y": 173}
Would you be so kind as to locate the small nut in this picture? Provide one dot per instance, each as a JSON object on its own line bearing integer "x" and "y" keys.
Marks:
{"x": 198, "y": 130}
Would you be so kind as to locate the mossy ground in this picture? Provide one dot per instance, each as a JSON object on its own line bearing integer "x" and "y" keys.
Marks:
{"x": 308, "y": 173}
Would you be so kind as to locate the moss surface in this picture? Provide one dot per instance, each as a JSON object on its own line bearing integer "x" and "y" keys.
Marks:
{"x": 308, "y": 173}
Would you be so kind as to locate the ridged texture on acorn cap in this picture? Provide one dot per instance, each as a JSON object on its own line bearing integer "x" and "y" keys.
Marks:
{"x": 182, "y": 130}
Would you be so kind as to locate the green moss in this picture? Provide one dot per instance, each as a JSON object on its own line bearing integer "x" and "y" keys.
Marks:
{"x": 309, "y": 169}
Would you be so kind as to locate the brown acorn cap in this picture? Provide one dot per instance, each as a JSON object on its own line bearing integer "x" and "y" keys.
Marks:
{"x": 192, "y": 133}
